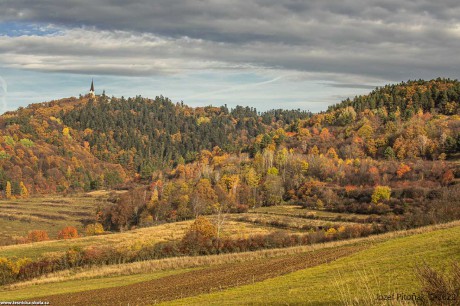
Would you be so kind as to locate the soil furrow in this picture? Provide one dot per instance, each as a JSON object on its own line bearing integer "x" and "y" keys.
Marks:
{"x": 201, "y": 281}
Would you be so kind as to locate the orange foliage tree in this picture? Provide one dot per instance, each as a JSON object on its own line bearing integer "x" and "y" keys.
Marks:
{"x": 37, "y": 235}
{"x": 68, "y": 232}
{"x": 403, "y": 169}
{"x": 325, "y": 135}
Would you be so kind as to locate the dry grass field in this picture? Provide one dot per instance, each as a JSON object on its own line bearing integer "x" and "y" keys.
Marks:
{"x": 18, "y": 217}
{"x": 291, "y": 222}
{"x": 300, "y": 212}
{"x": 129, "y": 239}
{"x": 51, "y": 213}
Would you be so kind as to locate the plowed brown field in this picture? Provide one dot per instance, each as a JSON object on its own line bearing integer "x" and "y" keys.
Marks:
{"x": 201, "y": 281}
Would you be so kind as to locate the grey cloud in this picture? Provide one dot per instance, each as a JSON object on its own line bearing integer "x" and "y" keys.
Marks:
{"x": 225, "y": 20}
{"x": 386, "y": 40}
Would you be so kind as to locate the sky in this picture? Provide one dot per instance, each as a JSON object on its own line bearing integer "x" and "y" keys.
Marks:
{"x": 265, "y": 54}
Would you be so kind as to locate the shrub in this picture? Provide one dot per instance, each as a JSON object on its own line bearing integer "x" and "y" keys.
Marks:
{"x": 94, "y": 229}
{"x": 381, "y": 193}
{"x": 414, "y": 193}
{"x": 440, "y": 288}
{"x": 331, "y": 232}
{"x": 447, "y": 177}
{"x": 11, "y": 270}
{"x": 198, "y": 238}
{"x": 68, "y": 232}
{"x": 194, "y": 243}
{"x": 7, "y": 274}
{"x": 37, "y": 235}
{"x": 239, "y": 208}
{"x": 204, "y": 227}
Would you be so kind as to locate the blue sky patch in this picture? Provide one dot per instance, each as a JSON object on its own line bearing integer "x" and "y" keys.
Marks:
{"x": 15, "y": 29}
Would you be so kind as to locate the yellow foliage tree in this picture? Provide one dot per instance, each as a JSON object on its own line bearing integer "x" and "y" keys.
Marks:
{"x": 304, "y": 132}
{"x": 68, "y": 172}
{"x": 24, "y": 191}
{"x": 252, "y": 179}
{"x": 319, "y": 204}
{"x": 94, "y": 229}
{"x": 366, "y": 131}
{"x": 153, "y": 199}
{"x": 381, "y": 193}
{"x": 314, "y": 151}
{"x": 66, "y": 132}
{"x": 8, "y": 190}
{"x": 331, "y": 153}
{"x": 229, "y": 182}
{"x": 331, "y": 232}
{"x": 305, "y": 167}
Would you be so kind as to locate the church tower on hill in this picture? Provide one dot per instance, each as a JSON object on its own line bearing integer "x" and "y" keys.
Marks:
{"x": 91, "y": 90}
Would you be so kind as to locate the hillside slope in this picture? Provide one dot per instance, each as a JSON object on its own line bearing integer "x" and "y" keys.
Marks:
{"x": 37, "y": 149}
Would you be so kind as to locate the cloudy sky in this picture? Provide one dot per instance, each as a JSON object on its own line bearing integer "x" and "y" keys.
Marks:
{"x": 266, "y": 54}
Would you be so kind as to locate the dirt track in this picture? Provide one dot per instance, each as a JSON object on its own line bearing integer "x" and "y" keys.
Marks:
{"x": 201, "y": 281}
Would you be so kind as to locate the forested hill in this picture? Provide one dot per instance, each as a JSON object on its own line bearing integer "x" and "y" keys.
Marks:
{"x": 435, "y": 96}
{"x": 84, "y": 143}
{"x": 145, "y": 135}
{"x": 410, "y": 120}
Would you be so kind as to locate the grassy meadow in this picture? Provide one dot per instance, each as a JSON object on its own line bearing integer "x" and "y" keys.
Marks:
{"x": 386, "y": 267}
{"x": 354, "y": 278}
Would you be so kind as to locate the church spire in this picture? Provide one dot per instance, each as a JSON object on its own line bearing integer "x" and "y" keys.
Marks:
{"x": 91, "y": 90}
